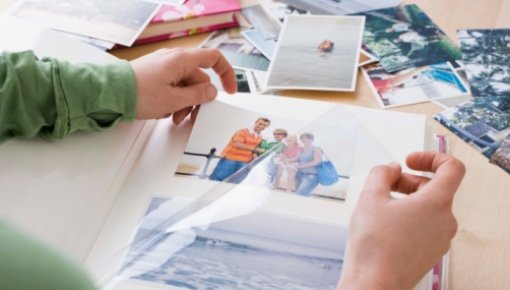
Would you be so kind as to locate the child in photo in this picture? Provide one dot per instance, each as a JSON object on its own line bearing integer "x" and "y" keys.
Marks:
{"x": 288, "y": 161}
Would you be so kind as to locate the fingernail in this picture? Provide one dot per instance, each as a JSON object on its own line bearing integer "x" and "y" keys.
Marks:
{"x": 394, "y": 164}
{"x": 211, "y": 92}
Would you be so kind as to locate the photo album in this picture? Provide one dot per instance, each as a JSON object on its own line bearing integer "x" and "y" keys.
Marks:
{"x": 257, "y": 193}
{"x": 194, "y": 210}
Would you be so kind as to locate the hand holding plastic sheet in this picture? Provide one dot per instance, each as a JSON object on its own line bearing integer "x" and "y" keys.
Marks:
{"x": 253, "y": 219}
{"x": 227, "y": 206}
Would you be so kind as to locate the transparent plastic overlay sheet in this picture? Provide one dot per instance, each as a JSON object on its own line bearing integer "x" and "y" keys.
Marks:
{"x": 250, "y": 232}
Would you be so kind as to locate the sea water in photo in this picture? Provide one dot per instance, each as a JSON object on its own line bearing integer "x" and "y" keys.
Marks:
{"x": 211, "y": 263}
{"x": 300, "y": 63}
{"x": 260, "y": 250}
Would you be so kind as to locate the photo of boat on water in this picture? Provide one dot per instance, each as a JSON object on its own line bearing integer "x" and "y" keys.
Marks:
{"x": 262, "y": 250}
{"x": 317, "y": 53}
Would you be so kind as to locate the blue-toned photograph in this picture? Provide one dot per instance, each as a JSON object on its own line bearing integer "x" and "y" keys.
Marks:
{"x": 414, "y": 85}
{"x": 262, "y": 250}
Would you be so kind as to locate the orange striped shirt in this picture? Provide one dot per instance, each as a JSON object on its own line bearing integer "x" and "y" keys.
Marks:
{"x": 242, "y": 136}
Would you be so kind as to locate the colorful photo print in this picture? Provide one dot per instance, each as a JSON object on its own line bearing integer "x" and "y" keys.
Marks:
{"x": 486, "y": 59}
{"x": 317, "y": 53}
{"x": 404, "y": 36}
{"x": 485, "y": 124}
{"x": 118, "y": 21}
{"x": 263, "y": 250}
{"x": 414, "y": 85}
{"x": 280, "y": 154}
{"x": 237, "y": 50}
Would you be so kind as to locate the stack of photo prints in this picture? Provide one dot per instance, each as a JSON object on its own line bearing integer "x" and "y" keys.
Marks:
{"x": 483, "y": 120}
{"x": 418, "y": 63}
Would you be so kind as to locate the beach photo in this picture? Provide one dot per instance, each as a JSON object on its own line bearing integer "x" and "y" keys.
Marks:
{"x": 404, "y": 36}
{"x": 263, "y": 250}
{"x": 414, "y": 85}
{"x": 281, "y": 154}
{"x": 484, "y": 123}
{"x": 118, "y": 21}
{"x": 486, "y": 61}
{"x": 317, "y": 53}
{"x": 236, "y": 49}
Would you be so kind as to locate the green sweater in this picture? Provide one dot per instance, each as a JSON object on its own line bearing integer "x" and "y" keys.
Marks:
{"x": 53, "y": 99}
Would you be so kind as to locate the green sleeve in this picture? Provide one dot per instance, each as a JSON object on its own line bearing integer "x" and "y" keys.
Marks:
{"x": 53, "y": 98}
{"x": 27, "y": 265}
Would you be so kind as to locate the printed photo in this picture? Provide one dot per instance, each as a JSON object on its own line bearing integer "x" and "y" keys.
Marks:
{"x": 118, "y": 21}
{"x": 486, "y": 61}
{"x": 452, "y": 101}
{"x": 237, "y": 50}
{"x": 168, "y": 2}
{"x": 280, "y": 11}
{"x": 339, "y": 7}
{"x": 262, "y": 250}
{"x": 404, "y": 36}
{"x": 245, "y": 83}
{"x": 414, "y": 85}
{"x": 317, "y": 53}
{"x": 365, "y": 58}
{"x": 484, "y": 123}
{"x": 283, "y": 155}
{"x": 264, "y": 30}
{"x": 266, "y": 45}
{"x": 258, "y": 18}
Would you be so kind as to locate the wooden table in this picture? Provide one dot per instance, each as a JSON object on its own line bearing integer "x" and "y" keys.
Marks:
{"x": 480, "y": 253}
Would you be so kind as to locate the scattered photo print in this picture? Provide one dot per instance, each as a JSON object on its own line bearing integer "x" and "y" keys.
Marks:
{"x": 340, "y": 7}
{"x": 486, "y": 59}
{"x": 280, "y": 11}
{"x": 168, "y": 2}
{"x": 273, "y": 152}
{"x": 365, "y": 58}
{"x": 266, "y": 45}
{"x": 263, "y": 250}
{"x": 244, "y": 82}
{"x": 237, "y": 50}
{"x": 317, "y": 53}
{"x": 404, "y": 36}
{"x": 452, "y": 101}
{"x": 414, "y": 85}
{"x": 258, "y": 18}
{"x": 118, "y": 21}
{"x": 484, "y": 123}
